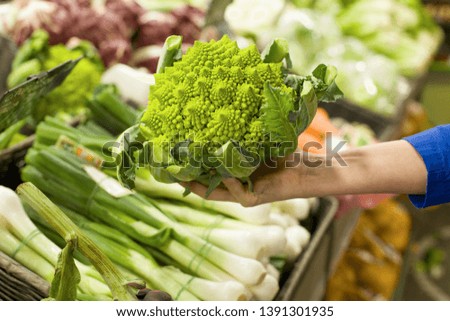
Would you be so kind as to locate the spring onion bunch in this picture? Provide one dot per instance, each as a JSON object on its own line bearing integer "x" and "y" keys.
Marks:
{"x": 201, "y": 240}
{"x": 21, "y": 240}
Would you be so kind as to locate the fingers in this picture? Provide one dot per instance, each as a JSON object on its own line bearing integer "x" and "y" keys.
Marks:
{"x": 219, "y": 194}
{"x": 240, "y": 192}
{"x": 235, "y": 192}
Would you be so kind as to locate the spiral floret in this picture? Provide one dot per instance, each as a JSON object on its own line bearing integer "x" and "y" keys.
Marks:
{"x": 212, "y": 94}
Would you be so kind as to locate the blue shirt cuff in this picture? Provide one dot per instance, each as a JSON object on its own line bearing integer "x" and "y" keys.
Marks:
{"x": 433, "y": 147}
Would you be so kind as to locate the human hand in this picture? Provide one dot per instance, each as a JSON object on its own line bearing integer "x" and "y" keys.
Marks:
{"x": 273, "y": 181}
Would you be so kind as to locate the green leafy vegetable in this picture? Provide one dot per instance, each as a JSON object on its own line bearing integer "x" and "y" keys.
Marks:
{"x": 37, "y": 55}
{"x": 228, "y": 108}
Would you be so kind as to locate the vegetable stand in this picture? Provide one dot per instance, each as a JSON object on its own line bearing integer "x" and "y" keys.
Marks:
{"x": 307, "y": 279}
{"x": 304, "y": 278}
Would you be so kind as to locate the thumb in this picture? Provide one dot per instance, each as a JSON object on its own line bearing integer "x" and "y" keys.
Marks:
{"x": 240, "y": 192}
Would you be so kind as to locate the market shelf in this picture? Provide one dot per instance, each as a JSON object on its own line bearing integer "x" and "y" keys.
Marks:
{"x": 308, "y": 278}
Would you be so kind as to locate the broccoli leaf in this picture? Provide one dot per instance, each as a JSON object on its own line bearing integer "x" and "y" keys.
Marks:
{"x": 171, "y": 53}
{"x": 124, "y": 154}
{"x": 320, "y": 86}
{"x": 275, "y": 117}
{"x": 185, "y": 173}
{"x": 307, "y": 108}
{"x": 328, "y": 91}
{"x": 276, "y": 51}
{"x": 235, "y": 162}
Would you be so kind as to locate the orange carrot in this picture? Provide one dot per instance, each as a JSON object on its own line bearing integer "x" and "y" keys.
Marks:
{"x": 311, "y": 143}
{"x": 321, "y": 124}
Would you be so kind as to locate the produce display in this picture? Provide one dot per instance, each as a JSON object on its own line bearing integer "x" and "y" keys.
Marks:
{"x": 122, "y": 31}
{"x": 157, "y": 98}
{"x": 347, "y": 35}
{"x": 376, "y": 248}
{"x": 200, "y": 245}
{"x": 36, "y": 55}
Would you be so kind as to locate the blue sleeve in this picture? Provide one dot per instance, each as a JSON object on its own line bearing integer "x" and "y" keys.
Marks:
{"x": 434, "y": 147}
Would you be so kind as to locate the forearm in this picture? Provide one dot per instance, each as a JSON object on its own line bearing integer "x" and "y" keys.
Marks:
{"x": 391, "y": 167}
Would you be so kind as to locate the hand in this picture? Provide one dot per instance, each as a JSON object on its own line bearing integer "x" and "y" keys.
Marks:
{"x": 271, "y": 182}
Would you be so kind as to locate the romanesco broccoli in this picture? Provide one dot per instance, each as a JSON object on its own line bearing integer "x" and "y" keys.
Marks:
{"x": 212, "y": 94}
{"x": 219, "y": 110}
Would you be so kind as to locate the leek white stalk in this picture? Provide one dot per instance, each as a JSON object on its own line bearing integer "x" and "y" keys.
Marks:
{"x": 272, "y": 236}
{"x": 266, "y": 290}
{"x": 272, "y": 271}
{"x": 298, "y": 208}
{"x": 297, "y": 238}
{"x": 9, "y": 245}
{"x": 240, "y": 242}
{"x": 210, "y": 290}
{"x": 13, "y": 212}
{"x": 282, "y": 219}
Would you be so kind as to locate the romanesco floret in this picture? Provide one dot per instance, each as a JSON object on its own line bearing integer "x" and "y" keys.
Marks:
{"x": 211, "y": 94}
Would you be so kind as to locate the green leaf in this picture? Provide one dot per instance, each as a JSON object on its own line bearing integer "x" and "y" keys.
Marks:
{"x": 67, "y": 277}
{"x": 8, "y": 134}
{"x": 235, "y": 161}
{"x": 328, "y": 91}
{"x": 171, "y": 52}
{"x": 185, "y": 173}
{"x": 20, "y": 101}
{"x": 35, "y": 47}
{"x": 123, "y": 152}
{"x": 307, "y": 108}
{"x": 323, "y": 81}
{"x": 277, "y": 51}
{"x": 320, "y": 86}
{"x": 275, "y": 113}
{"x": 161, "y": 174}
{"x": 214, "y": 182}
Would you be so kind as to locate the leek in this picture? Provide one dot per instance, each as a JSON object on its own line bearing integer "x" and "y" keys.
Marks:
{"x": 67, "y": 229}
{"x": 21, "y": 240}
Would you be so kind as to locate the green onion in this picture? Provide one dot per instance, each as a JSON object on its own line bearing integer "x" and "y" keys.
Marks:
{"x": 66, "y": 228}
{"x": 7, "y": 135}
{"x": 21, "y": 240}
